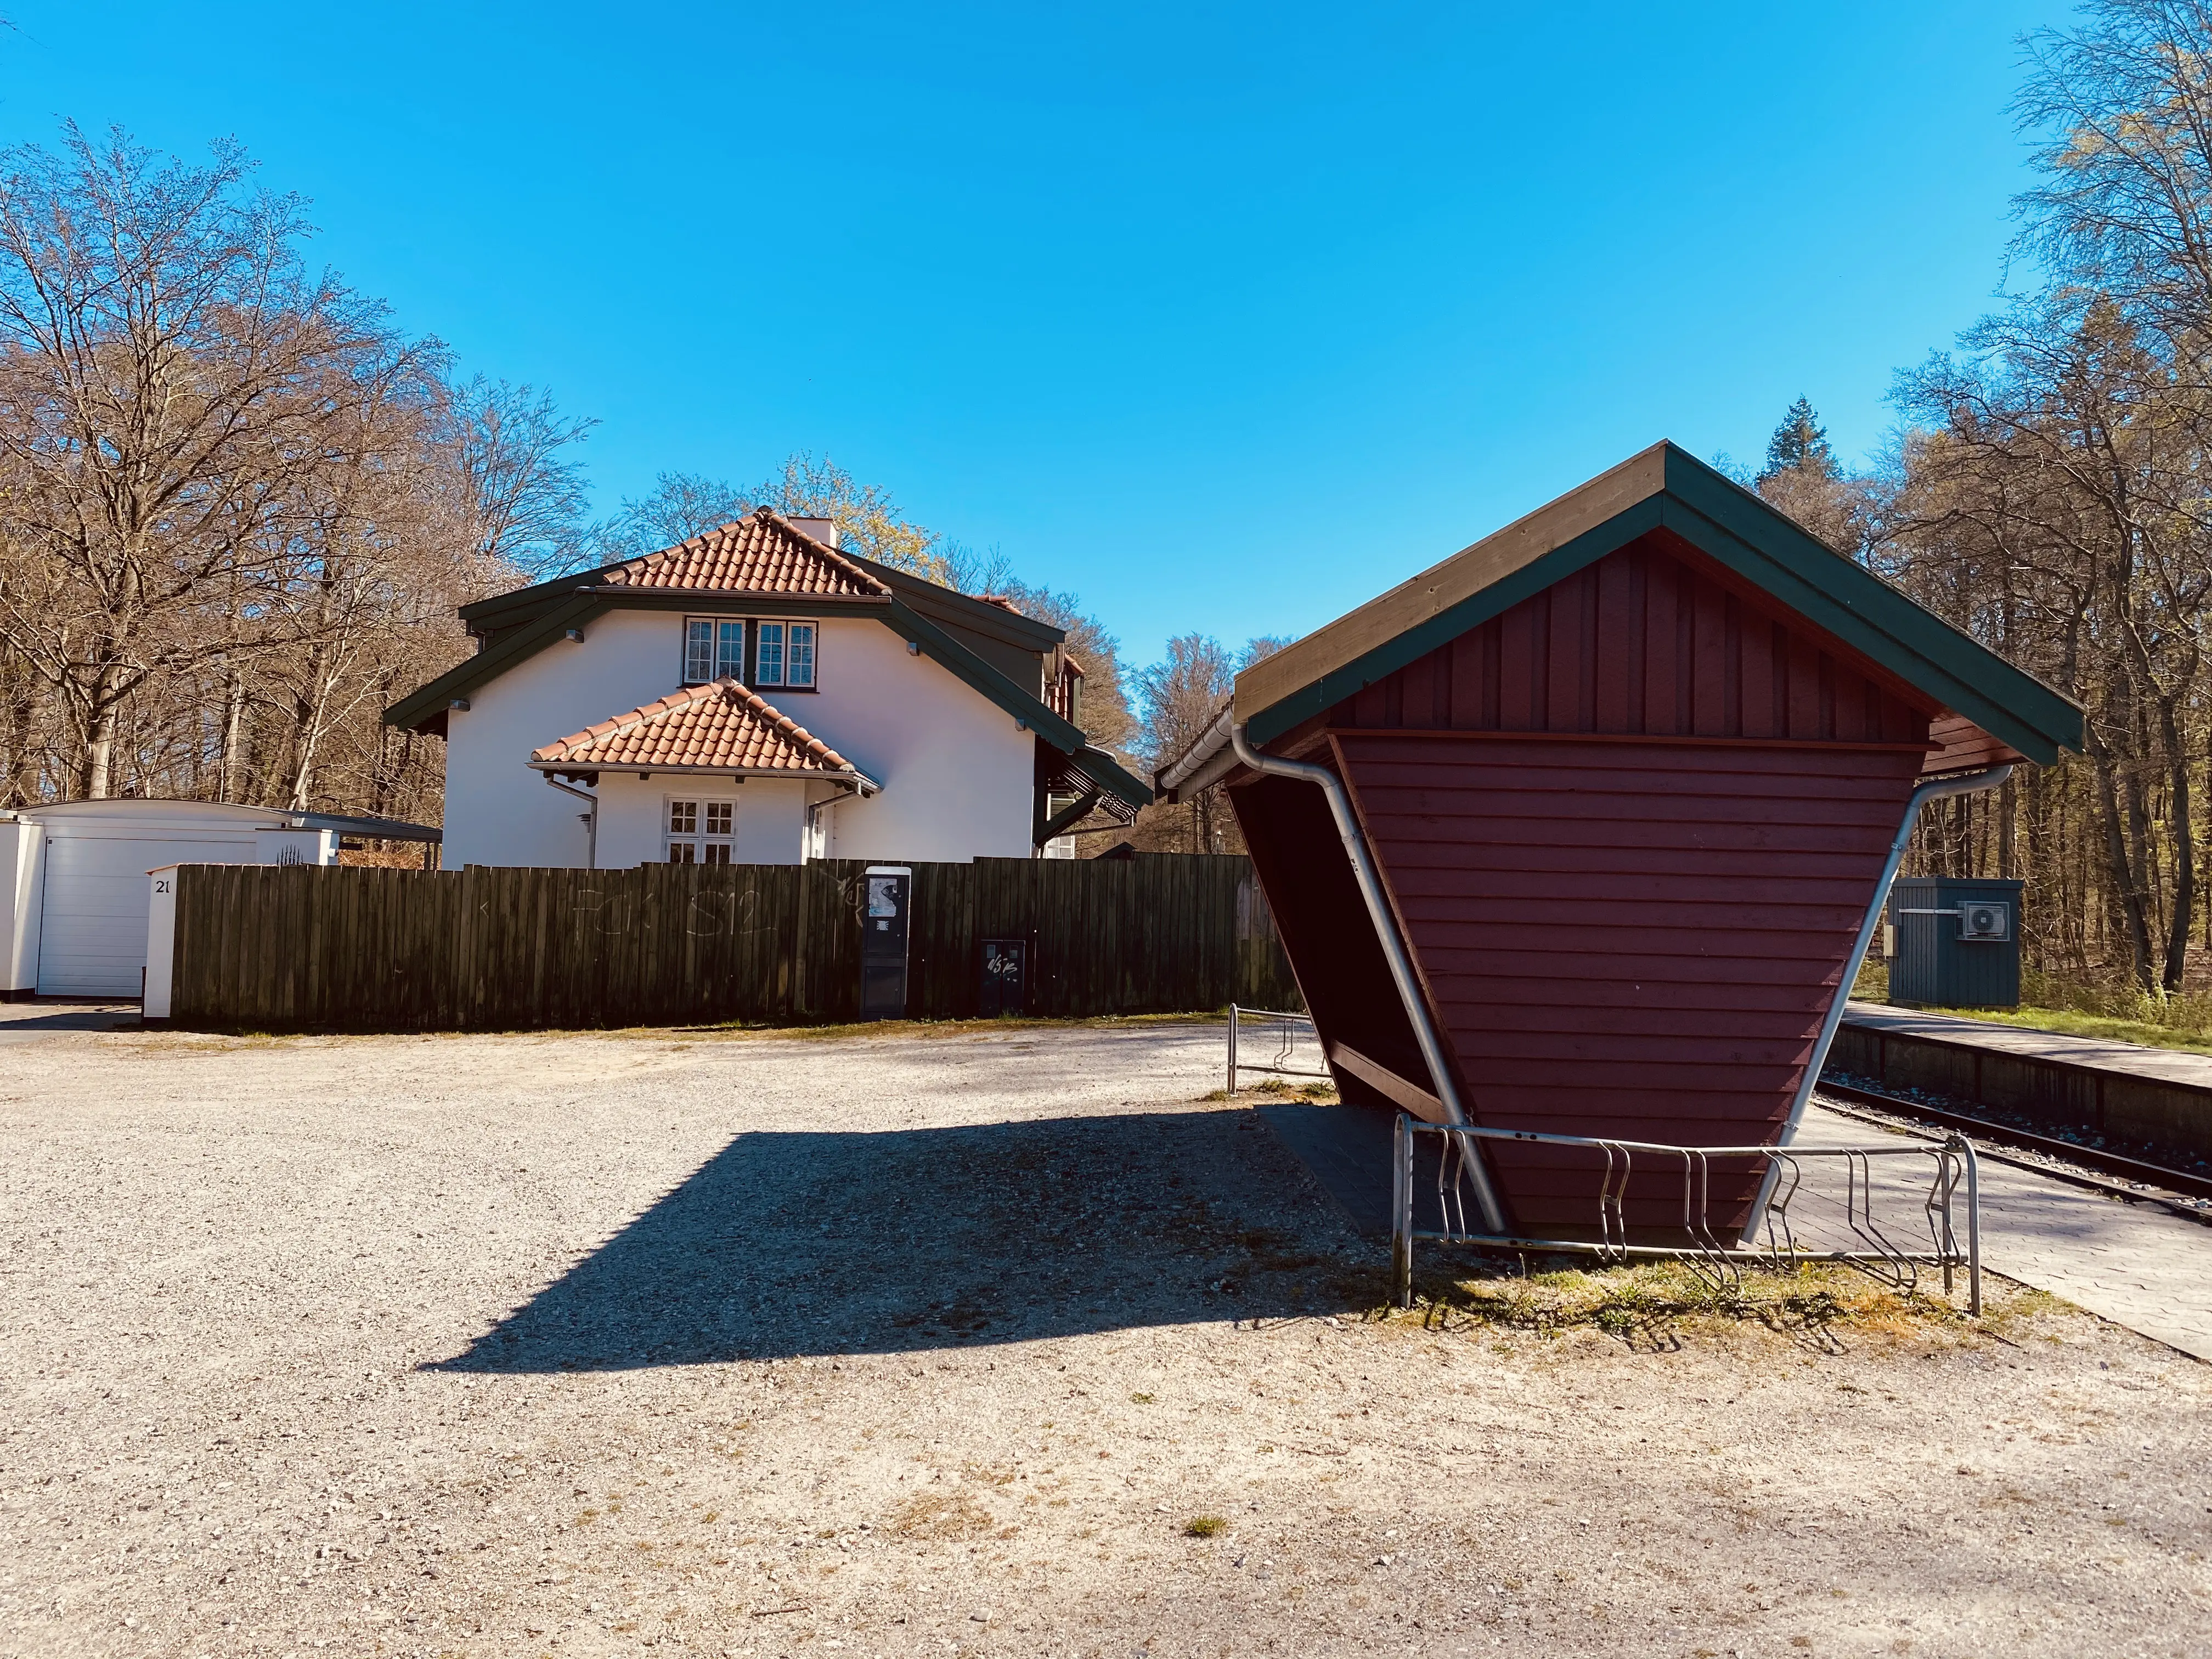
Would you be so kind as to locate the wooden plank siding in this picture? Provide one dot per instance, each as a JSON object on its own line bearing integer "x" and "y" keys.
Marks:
{"x": 306, "y": 948}
{"x": 1629, "y": 826}
{"x": 1638, "y": 939}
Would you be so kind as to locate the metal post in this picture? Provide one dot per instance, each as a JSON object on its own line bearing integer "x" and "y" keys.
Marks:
{"x": 1232, "y": 1048}
{"x": 1974, "y": 1230}
{"x": 1972, "y": 783}
{"x": 1395, "y": 954}
{"x": 1402, "y": 1209}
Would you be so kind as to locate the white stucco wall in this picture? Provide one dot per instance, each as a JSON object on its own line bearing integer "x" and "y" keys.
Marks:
{"x": 955, "y": 771}
{"x": 769, "y": 822}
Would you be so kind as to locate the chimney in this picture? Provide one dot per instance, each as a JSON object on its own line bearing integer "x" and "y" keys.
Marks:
{"x": 823, "y": 530}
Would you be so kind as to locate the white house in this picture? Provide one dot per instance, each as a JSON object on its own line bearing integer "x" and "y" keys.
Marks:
{"x": 756, "y": 696}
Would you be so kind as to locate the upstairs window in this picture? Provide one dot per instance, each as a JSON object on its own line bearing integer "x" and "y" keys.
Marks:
{"x": 782, "y": 653}
{"x": 713, "y": 650}
{"x": 700, "y": 831}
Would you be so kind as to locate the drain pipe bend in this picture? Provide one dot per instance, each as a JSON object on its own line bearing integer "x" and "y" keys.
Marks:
{"x": 1971, "y": 783}
{"x": 1394, "y": 947}
{"x": 591, "y": 819}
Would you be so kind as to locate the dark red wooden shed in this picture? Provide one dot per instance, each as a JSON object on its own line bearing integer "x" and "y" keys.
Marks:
{"x": 1630, "y": 777}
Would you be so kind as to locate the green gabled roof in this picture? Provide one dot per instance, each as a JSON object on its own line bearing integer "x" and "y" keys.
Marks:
{"x": 1664, "y": 487}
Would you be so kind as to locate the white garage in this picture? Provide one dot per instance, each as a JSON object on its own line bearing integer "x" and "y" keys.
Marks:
{"x": 74, "y": 888}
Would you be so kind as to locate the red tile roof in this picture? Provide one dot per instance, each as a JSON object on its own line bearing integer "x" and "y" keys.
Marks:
{"x": 760, "y": 554}
{"x": 719, "y": 727}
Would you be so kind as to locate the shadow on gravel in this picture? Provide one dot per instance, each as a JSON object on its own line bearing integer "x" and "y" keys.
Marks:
{"x": 784, "y": 1245}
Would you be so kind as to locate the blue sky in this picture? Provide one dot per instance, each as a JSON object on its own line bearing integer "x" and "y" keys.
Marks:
{"x": 1226, "y": 318}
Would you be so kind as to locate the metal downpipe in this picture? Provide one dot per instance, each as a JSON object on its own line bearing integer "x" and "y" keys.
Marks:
{"x": 1973, "y": 783}
{"x": 591, "y": 819}
{"x": 1393, "y": 948}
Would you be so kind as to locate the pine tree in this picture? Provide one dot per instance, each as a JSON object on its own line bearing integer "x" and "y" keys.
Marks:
{"x": 1800, "y": 442}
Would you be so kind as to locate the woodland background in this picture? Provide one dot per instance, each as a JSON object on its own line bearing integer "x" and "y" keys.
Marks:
{"x": 239, "y": 502}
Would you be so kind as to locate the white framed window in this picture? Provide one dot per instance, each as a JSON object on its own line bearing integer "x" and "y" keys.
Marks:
{"x": 700, "y": 831}
{"x": 713, "y": 649}
{"x": 799, "y": 656}
{"x": 767, "y": 654}
{"x": 783, "y": 654}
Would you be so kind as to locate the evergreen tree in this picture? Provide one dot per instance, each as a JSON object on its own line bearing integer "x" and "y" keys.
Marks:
{"x": 1800, "y": 442}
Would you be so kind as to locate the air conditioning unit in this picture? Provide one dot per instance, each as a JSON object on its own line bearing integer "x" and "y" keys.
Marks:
{"x": 1989, "y": 920}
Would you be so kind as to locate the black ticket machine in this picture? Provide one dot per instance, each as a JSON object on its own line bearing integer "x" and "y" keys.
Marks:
{"x": 884, "y": 915}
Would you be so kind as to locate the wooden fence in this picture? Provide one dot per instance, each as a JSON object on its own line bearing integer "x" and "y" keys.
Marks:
{"x": 276, "y": 948}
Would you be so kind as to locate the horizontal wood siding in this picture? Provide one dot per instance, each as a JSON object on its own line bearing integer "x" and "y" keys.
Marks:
{"x": 1626, "y": 939}
{"x": 1653, "y": 640}
{"x": 307, "y": 948}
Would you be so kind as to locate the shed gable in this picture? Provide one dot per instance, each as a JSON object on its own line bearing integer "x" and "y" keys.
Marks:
{"x": 1650, "y": 641}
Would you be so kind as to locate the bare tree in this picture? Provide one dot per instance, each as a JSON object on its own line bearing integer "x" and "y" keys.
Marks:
{"x": 168, "y": 372}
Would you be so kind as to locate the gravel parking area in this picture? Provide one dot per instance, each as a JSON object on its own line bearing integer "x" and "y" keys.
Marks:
{"x": 587, "y": 1346}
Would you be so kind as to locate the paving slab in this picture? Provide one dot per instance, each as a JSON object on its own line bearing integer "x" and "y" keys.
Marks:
{"x": 2135, "y": 1264}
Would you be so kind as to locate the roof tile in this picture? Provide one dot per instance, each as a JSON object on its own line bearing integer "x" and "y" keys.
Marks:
{"x": 722, "y": 727}
{"x": 758, "y": 553}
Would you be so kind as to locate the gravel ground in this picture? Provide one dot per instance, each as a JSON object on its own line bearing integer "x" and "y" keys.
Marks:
{"x": 582, "y": 1345}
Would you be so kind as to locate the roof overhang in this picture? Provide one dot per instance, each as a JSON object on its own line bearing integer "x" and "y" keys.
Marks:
{"x": 425, "y": 710}
{"x": 1662, "y": 487}
{"x": 868, "y": 785}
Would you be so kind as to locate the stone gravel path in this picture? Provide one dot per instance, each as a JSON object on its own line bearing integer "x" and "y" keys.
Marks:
{"x": 588, "y": 1346}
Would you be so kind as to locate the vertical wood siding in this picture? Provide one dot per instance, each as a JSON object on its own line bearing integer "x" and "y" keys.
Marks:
{"x": 1646, "y": 641}
{"x": 484, "y": 949}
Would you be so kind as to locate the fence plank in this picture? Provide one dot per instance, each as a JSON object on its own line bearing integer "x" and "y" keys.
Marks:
{"x": 494, "y": 949}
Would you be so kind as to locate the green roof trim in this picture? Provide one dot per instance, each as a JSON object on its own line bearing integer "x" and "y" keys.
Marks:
{"x": 1743, "y": 534}
{"x": 1449, "y": 624}
{"x": 430, "y": 703}
{"x": 413, "y": 710}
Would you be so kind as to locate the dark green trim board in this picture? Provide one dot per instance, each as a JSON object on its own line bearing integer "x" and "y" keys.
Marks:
{"x": 1447, "y": 625}
{"x": 415, "y": 710}
{"x": 1746, "y": 536}
{"x": 428, "y": 705}
{"x": 953, "y": 606}
{"x": 1103, "y": 770}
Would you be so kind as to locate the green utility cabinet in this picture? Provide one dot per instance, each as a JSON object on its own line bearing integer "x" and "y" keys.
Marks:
{"x": 1956, "y": 943}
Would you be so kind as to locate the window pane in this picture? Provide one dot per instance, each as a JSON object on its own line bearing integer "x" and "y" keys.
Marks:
{"x": 730, "y": 650}
{"x": 771, "y": 672}
{"x": 698, "y": 653}
{"x": 800, "y": 671}
{"x": 717, "y": 853}
{"x": 717, "y": 816}
{"x": 684, "y": 818}
{"x": 683, "y": 852}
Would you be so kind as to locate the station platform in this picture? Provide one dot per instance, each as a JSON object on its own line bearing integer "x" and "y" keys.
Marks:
{"x": 2159, "y": 1100}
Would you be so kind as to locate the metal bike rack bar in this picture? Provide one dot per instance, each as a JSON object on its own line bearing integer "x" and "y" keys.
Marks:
{"x": 1955, "y": 1166}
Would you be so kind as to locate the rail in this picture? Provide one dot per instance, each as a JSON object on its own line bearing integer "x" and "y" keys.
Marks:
{"x": 1782, "y": 1184}
{"x": 1285, "y": 1049}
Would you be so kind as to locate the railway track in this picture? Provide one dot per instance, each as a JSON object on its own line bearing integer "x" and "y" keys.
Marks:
{"x": 2130, "y": 1178}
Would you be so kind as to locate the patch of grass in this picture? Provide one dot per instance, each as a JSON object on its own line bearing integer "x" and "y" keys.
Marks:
{"x": 1203, "y": 1526}
{"x": 1645, "y": 1303}
{"x": 1140, "y": 1399}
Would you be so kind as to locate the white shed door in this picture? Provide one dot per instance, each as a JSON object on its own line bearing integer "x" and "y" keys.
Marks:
{"x": 92, "y": 935}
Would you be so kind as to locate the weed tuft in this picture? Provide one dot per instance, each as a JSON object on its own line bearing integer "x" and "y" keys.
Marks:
{"x": 1203, "y": 1526}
